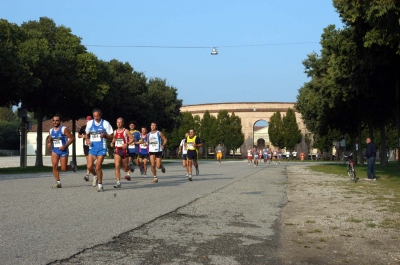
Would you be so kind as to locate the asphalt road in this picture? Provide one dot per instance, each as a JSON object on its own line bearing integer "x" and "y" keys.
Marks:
{"x": 227, "y": 215}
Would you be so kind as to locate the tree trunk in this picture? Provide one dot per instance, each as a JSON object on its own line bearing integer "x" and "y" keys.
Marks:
{"x": 397, "y": 117}
{"x": 353, "y": 147}
{"x": 39, "y": 141}
{"x": 383, "y": 151}
{"x": 360, "y": 157}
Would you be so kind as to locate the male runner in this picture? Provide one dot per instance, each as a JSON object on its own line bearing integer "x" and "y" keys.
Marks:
{"x": 255, "y": 156}
{"x": 133, "y": 150}
{"x": 218, "y": 151}
{"x": 294, "y": 154}
{"x": 59, "y": 139}
{"x": 122, "y": 139}
{"x": 192, "y": 142}
{"x": 249, "y": 156}
{"x": 157, "y": 142}
{"x": 287, "y": 155}
{"x": 265, "y": 154}
{"x": 82, "y": 134}
{"x": 183, "y": 149}
{"x": 144, "y": 150}
{"x": 97, "y": 133}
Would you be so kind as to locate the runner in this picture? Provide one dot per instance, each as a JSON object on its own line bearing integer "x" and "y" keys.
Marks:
{"x": 275, "y": 154}
{"x": 82, "y": 134}
{"x": 144, "y": 150}
{"x": 122, "y": 138}
{"x": 287, "y": 155}
{"x": 265, "y": 155}
{"x": 192, "y": 142}
{"x": 157, "y": 142}
{"x": 218, "y": 151}
{"x": 183, "y": 149}
{"x": 249, "y": 156}
{"x": 97, "y": 133}
{"x": 59, "y": 139}
{"x": 279, "y": 156}
{"x": 269, "y": 156}
{"x": 133, "y": 150}
{"x": 255, "y": 156}
{"x": 294, "y": 154}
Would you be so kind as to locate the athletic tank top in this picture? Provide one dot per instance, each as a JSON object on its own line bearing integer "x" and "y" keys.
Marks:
{"x": 95, "y": 131}
{"x": 155, "y": 142}
{"x": 58, "y": 137}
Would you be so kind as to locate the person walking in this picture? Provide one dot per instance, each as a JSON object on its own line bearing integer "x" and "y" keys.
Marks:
{"x": 192, "y": 143}
{"x": 294, "y": 154}
{"x": 157, "y": 142}
{"x": 218, "y": 151}
{"x": 81, "y": 134}
{"x": 183, "y": 149}
{"x": 59, "y": 139}
{"x": 370, "y": 153}
{"x": 122, "y": 139}
{"x": 97, "y": 133}
{"x": 302, "y": 157}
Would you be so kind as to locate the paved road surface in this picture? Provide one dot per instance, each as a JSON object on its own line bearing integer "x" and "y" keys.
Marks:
{"x": 227, "y": 215}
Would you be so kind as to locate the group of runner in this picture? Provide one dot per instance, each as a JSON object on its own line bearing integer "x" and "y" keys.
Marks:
{"x": 129, "y": 146}
{"x": 268, "y": 155}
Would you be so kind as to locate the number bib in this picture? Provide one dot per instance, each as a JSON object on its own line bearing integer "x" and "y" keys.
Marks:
{"x": 95, "y": 137}
{"x": 219, "y": 151}
{"x": 57, "y": 143}
{"x": 119, "y": 142}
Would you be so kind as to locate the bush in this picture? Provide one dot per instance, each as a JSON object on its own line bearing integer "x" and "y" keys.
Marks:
{"x": 9, "y": 135}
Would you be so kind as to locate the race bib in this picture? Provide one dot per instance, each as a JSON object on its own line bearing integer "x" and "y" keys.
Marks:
{"x": 57, "y": 143}
{"x": 190, "y": 145}
{"x": 95, "y": 137}
{"x": 119, "y": 142}
{"x": 219, "y": 151}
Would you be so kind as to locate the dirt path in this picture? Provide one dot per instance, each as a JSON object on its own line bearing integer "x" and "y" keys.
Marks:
{"x": 330, "y": 220}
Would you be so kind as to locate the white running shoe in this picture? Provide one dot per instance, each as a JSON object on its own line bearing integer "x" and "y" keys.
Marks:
{"x": 190, "y": 178}
{"x": 57, "y": 185}
{"x": 100, "y": 188}
{"x": 118, "y": 185}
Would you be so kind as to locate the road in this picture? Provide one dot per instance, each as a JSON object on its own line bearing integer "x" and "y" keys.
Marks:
{"x": 227, "y": 215}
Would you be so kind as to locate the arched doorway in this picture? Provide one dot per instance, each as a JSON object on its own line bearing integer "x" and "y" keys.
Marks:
{"x": 260, "y": 134}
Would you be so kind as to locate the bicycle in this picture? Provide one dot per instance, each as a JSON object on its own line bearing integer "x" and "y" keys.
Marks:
{"x": 350, "y": 168}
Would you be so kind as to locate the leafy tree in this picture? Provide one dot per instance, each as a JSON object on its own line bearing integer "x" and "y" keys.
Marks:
{"x": 223, "y": 126}
{"x": 291, "y": 131}
{"x": 276, "y": 130}
{"x": 9, "y": 137}
{"x": 207, "y": 130}
{"x": 6, "y": 114}
{"x": 235, "y": 137}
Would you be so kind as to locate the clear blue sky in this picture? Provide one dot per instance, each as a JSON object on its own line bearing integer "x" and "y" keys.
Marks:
{"x": 269, "y": 71}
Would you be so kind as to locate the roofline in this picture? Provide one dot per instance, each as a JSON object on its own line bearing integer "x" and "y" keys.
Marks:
{"x": 202, "y": 104}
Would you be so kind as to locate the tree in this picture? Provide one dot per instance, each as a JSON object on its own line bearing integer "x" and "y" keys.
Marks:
{"x": 235, "y": 137}
{"x": 207, "y": 131}
{"x": 223, "y": 126}
{"x": 291, "y": 131}
{"x": 6, "y": 114}
{"x": 276, "y": 130}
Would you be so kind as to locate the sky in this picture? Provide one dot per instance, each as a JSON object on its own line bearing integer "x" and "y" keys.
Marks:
{"x": 261, "y": 43}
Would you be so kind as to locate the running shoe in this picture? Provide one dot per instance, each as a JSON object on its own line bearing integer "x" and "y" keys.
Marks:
{"x": 190, "y": 178}
{"x": 128, "y": 178}
{"x": 118, "y": 185}
{"x": 155, "y": 180}
{"x": 57, "y": 185}
{"x": 197, "y": 171}
{"x": 100, "y": 188}
{"x": 145, "y": 175}
{"x": 86, "y": 177}
{"x": 73, "y": 166}
{"x": 187, "y": 174}
{"x": 94, "y": 184}
{"x": 162, "y": 169}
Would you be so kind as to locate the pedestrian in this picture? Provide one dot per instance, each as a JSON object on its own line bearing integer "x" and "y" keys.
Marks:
{"x": 157, "y": 142}
{"x": 192, "y": 143}
{"x": 255, "y": 156}
{"x": 122, "y": 139}
{"x": 59, "y": 139}
{"x": 265, "y": 154}
{"x": 98, "y": 131}
{"x": 302, "y": 157}
{"x": 133, "y": 150}
{"x": 183, "y": 149}
{"x": 82, "y": 134}
{"x": 144, "y": 150}
{"x": 370, "y": 153}
{"x": 218, "y": 151}
{"x": 287, "y": 155}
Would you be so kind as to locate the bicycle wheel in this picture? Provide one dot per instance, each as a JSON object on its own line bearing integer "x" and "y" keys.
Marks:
{"x": 351, "y": 175}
